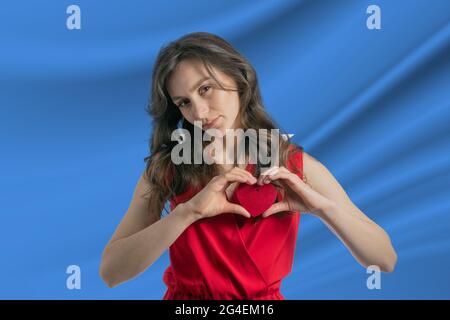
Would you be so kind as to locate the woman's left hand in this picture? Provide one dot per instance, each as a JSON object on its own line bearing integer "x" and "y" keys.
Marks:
{"x": 297, "y": 195}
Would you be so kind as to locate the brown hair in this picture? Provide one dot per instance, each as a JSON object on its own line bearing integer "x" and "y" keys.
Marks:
{"x": 167, "y": 179}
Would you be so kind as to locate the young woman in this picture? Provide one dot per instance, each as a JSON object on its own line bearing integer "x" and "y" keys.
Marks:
{"x": 217, "y": 249}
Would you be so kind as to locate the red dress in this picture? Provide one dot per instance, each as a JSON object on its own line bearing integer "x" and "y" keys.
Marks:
{"x": 230, "y": 257}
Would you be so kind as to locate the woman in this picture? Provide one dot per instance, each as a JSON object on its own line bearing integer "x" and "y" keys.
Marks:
{"x": 217, "y": 249}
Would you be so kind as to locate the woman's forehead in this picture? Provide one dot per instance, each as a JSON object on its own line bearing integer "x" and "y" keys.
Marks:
{"x": 185, "y": 75}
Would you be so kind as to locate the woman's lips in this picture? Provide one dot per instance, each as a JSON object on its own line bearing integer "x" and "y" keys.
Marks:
{"x": 211, "y": 124}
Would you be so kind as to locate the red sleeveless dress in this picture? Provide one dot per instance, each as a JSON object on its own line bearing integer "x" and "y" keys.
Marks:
{"x": 230, "y": 257}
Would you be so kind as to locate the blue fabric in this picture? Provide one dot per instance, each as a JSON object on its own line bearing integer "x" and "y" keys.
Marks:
{"x": 372, "y": 105}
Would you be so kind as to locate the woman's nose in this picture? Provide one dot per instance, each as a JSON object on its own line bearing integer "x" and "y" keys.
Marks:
{"x": 199, "y": 110}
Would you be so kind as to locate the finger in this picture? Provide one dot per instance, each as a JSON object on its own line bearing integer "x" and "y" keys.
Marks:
{"x": 223, "y": 181}
{"x": 251, "y": 179}
{"x": 235, "y": 208}
{"x": 242, "y": 177}
{"x": 227, "y": 179}
{"x": 263, "y": 176}
{"x": 294, "y": 175}
{"x": 270, "y": 176}
{"x": 275, "y": 208}
{"x": 231, "y": 178}
{"x": 291, "y": 179}
{"x": 238, "y": 170}
{"x": 270, "y": 170}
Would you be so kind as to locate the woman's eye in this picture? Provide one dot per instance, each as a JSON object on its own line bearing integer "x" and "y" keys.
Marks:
{"x": 181, "y": 105}
{"x": 204, "y": 89}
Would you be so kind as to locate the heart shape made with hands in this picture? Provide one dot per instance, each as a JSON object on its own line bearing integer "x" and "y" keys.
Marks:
{"x": 255, "y": 198}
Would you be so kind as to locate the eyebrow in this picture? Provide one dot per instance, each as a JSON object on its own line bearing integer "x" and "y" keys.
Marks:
{"x": 193, "y": 87}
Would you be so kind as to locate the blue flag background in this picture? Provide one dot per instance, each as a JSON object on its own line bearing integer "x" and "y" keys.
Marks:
{"x": 372, "y": 105}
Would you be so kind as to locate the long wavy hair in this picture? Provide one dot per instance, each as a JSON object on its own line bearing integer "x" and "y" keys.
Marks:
{"x": 165, "y": 178}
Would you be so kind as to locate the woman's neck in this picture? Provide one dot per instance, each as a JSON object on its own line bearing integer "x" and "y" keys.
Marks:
{"x": 229, "y": 156}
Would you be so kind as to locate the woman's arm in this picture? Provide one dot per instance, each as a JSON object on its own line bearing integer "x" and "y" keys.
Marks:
{"x": 367, "y": 241}
{"x": 325, "y": 198}
{"x": 141, "y": 238}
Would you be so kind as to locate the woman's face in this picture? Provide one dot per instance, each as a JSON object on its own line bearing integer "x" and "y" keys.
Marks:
{"x": 199, "y": 97}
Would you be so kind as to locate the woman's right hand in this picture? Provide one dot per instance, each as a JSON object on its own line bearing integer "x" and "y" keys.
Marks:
{"x": 212, "y": 199}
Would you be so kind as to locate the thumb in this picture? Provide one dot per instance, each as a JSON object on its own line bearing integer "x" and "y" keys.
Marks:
{"x": 275, "y": 208}
{"x": 235, "y": 208}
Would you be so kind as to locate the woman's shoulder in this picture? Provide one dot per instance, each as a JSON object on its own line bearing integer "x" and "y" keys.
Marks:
{"x": 294, "y": 159}
{"x": 311, "y": 169}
